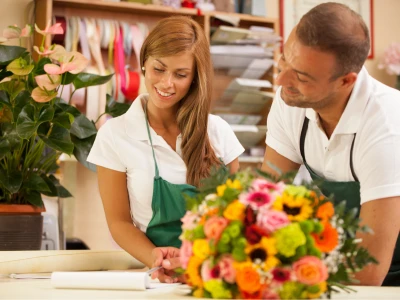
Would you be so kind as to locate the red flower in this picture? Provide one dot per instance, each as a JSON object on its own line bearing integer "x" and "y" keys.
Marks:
{"x": 281, "y": 275}
{"x": 254, "y": 233}
{"x": 250, "y": 216}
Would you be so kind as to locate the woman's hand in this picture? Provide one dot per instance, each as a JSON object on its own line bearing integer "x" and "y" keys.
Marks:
{"x": 168, "y": 258}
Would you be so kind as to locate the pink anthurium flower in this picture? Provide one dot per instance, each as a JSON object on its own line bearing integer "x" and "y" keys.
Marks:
{"x": 48, "y": 82}
{"x": 58, "y": 52}
{"x": 43, "y": 51}
{"x": 73, "y": 62}
{"x": 26, "y": 31}
{"x": 14, "y": 32}
{"x": 55, "y": 29}
{"x": 43, "y": 96}
{"x": 20, "y": 67}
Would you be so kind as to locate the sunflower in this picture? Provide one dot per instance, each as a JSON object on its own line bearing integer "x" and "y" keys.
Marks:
{"x": 193, "y": 272}
{"x": 263, "y": 253}
{"x": 297, "y": 208}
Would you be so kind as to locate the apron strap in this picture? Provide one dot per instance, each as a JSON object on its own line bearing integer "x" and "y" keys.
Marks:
{"x": 302, "y": 141}
{"x": 151, "y": 141}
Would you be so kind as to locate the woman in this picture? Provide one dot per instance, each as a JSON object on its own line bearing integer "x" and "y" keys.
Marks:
{"x": 163, "y": 146}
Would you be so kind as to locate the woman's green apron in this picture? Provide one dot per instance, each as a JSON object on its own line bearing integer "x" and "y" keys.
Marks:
{"x": 168, "y": 207}
{"x": 349, "y": 191}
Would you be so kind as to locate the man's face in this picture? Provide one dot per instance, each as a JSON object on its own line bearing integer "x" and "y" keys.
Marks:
{"x": 305, "y": 76}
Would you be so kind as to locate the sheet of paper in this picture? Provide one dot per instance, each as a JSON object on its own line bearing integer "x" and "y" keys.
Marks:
{"x": 138, "y": 281}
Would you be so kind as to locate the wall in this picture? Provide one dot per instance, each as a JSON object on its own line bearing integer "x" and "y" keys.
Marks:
{"x": 386, "y": 23}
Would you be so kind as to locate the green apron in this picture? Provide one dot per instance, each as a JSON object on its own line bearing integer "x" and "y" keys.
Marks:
{"x": 168, "y": 207}
{"x": 349, "y": 191}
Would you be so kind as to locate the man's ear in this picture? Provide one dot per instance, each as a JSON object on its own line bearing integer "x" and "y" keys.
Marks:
{"x": 349, "y": 79}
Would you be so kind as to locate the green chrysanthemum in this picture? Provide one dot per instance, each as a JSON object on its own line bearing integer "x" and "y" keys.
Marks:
{"x": 291, "y": 290}
{"x": 217, "y": 290}
{"x": 289, "y": 238}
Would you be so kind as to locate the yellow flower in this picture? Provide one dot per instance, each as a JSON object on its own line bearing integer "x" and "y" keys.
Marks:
{"x": 199, "y": 293}
{"x": 234, "y": 184}
{"x": 221, "y": 190}
{"x": 201, "y": 249}
{"x": 297, "y": 208}
{"x": 193, "y": 272}
{"x": 235, "y": 211}
{"x": 263, "y": 253}
{"x": 322, "y": 289}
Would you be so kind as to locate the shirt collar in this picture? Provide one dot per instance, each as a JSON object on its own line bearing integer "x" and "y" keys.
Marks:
{"x": 135, "y": 122}
{"x": 351, "y": 118}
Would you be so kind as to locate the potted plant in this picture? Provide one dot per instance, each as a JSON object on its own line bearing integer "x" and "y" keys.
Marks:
{"x": 36, "y": 126}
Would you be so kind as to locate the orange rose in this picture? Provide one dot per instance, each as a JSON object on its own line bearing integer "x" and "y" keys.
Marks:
{"x": 248, "y": 279}
{"x": 310, "y": 270}
{"x": 214, "y": 226}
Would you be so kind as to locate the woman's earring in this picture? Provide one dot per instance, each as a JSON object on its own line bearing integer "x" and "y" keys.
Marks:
{"x": 143, "y": 69}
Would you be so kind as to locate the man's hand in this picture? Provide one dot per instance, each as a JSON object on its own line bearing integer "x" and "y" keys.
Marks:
{"x": 168, "y": 258}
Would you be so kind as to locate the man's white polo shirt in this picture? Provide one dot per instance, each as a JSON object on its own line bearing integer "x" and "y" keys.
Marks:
{"x": 373, "y": 112}
{"x": 122, "y": 144}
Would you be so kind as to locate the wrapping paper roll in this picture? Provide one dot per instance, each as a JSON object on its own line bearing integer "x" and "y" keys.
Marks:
{"x": 138, "y": 281}
{"x": 20, "y": 262}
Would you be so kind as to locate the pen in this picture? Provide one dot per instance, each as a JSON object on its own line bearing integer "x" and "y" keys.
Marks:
{"x": 153, "y": 270}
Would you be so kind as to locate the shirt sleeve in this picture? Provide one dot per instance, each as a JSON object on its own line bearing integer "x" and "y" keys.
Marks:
{"x": 379, "y": 164}
{"x": 279, "y": 133}
{"x": 104, "y": 151}
{"x": 229, "y": 146}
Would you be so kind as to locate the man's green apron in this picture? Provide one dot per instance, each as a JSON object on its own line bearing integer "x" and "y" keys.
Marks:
{"x": 168, "y": 207}
{"x": 349, "y": 191}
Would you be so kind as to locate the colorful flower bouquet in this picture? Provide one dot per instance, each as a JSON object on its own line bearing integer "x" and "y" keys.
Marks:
{"x": 249, "y": 237}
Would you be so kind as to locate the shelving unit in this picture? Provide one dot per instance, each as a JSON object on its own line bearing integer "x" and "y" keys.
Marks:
{"x": 135, "y": 12}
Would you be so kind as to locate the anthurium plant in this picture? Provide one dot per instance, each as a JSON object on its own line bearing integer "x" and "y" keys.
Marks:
{"x": 36, "y": 124}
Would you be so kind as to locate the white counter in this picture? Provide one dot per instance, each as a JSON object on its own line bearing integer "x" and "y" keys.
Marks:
{"x": 42, "y": 289}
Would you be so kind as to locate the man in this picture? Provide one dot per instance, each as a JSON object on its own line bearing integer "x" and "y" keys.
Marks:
{"x": 343, "y": 125}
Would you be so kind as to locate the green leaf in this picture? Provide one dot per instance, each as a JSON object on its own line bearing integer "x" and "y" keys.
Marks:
{"x": 67, "y": 109}
{"x": 85, "y": 80}
{"x": 36, "y": 183}
{"x": 26, "y": 123}
{"x": 9, "y": 53}
{"x": 68, "y": 78}
{"x": 39, "y": 70}
{"x": 64, "y": 120}
{"x": 11, "y": 181}
{"x": 82, "y": 127}
{"x": 22, "y": 99}
{"x": 34, "y": 198}
{"x": 82, "y": 149}
{"x": 10, "y": 134}
{"x": 4, "y": 73}
{"x": 4, "y": 147}
{"x": 56, "y": 189}
{"x": 4, "y": 99}
{"x": 114, "y": 108}
{"x": 58, "y": 139}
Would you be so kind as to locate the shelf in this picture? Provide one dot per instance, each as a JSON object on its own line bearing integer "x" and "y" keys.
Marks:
{"x": 124, "y": 7}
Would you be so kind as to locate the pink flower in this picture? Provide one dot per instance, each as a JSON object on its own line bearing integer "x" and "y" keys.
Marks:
{"x": 272, "y": 220}
{"x": 48, "y": 82}
{"x": 43, "y": 96}
{"x": 391, "y": 59}
{"x": 281, "y": 275}
{"x": 310, "y": 270}
{"x": 49, "y": 30}
{"x": 264, "y": 185}
{"x": 43, "y": 51}
{"x": 185, "y": 253}
{"x": 269, "y": 294}
{"x": 256, "y": 199}
{"x": 227, "y": 271}
{"x": 14, "y": 32}
{"x": 214, "y": 226}
{"x": 208, "y": 273}
{"x": 73, "y": 62}
{"x": 189, "y": 220}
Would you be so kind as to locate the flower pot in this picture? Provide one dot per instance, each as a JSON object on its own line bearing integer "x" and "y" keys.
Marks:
{"x": 21, "y": 227}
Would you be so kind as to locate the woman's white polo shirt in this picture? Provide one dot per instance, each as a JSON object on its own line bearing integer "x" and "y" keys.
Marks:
{"x": 122, "y": 144}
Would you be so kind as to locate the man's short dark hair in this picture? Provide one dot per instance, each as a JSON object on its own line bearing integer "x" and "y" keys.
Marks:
{"x": 335, "y": 28}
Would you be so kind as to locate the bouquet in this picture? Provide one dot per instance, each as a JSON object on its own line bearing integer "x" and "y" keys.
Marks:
{"x": 246, "y": 236}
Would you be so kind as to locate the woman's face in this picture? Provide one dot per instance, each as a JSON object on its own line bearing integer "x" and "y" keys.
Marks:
{"x": 168, "y": 79}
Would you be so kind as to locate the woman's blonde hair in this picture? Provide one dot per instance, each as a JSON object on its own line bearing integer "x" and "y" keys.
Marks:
{"x": 172, "y": 36}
